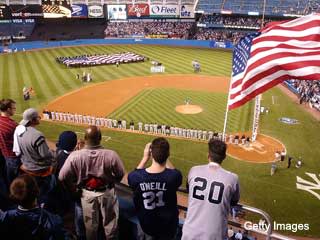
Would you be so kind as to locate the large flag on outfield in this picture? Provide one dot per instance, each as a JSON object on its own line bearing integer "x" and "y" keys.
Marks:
{"x": 279, "y": 52}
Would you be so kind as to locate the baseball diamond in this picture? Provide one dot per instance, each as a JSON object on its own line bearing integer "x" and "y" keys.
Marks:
{"x": 130, "y": 92}
{"x": 116, "y": 107}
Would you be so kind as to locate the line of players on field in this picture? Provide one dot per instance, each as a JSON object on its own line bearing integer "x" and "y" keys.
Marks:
{"x": 152, "y": 128}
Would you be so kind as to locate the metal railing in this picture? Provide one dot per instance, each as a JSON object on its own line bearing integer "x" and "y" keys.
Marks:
{"x": 124, "y": 191}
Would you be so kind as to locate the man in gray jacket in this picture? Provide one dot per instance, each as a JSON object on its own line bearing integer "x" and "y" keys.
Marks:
{"x": 36, "y": 157}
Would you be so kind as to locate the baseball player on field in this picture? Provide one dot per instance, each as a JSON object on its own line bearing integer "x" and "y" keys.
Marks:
{"x": 204, "y": 135}
{"x": 80, "y": 118}
{"x": 146, "y": 127}
{"x": 212, "y": 192}
{"x": 53, "y": 116}
{"x": 163, "y": 129}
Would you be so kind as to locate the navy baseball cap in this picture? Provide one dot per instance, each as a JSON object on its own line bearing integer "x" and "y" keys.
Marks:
{"x": 67, "y": 141}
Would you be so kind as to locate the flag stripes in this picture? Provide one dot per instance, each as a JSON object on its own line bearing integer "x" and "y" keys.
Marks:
{"x": 288, "y": 50}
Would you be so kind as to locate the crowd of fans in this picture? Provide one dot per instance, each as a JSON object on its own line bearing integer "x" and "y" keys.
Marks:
{"x": 148, "y": 29}
{"x": 39, "y": 186}
{"x": 244, "y": 22}
{"x": 308, "y": 91}
{"x": 229, "y": 28}
{"x": 219, "y": 35}
{"x": 184, "y": 30}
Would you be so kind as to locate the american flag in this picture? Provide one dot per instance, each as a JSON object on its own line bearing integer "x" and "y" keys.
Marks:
{"x": 279, "y": 52}
{"x": 103, "y": 59}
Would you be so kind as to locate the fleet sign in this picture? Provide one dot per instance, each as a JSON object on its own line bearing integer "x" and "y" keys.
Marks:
{"x": 164, "y": 10}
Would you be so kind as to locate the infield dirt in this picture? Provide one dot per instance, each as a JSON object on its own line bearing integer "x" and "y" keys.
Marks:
{"x": 103, "y": 98}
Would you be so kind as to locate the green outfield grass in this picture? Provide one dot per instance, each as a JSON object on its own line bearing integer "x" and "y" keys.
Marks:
{"x": 158, "y": 105}
{"x": 50, "y": 80}
{"x": 276, "y": 195}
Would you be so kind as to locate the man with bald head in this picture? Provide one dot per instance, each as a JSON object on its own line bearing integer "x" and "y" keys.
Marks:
{"x": 94, "y": 170}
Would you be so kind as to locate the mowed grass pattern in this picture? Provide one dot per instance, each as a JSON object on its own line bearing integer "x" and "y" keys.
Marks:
{"x": 158, "y": 106}
{"x": 277, "y": 195}
{"x": 39, "y": 70}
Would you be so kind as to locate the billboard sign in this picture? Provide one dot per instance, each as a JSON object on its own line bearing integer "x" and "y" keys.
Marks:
{"x": 5, "y": 12}
{"x": 138, "y": 10}
{"x": 186, "y": 11}
{"x": 26, "y": 11}
{"x": 164, "y": 10}
{"x": 79, "y": 11}
{"x": 56, "y": 11}
{"x": 117, "y": 12}
{"x": 95, "y": 11}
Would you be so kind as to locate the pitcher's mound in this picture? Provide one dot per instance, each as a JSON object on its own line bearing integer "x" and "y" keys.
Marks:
{"x": 189, "y": 109}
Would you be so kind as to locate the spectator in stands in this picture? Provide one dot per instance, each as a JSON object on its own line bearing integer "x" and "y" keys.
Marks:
{"x": 67, "y": 143}
{"x": 230, "y": 233}
{"x": 308, "y": 91}
{"x": 238, "y": 235}
{"x": 212, "y": 191}
{"x": 94, "y": 170}
{"x": 36, "y": 157}
{"x": 7, "y": 128}
{"x": 155, "y": 187}
{"x": 4, "y": 201}
{"x": 28, "y": 220}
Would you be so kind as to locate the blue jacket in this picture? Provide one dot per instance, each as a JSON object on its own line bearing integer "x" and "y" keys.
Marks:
{"x": 34, "y": 224}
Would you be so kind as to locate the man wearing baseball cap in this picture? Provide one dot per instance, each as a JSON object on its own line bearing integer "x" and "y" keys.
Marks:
{"x": 36, "y": 157}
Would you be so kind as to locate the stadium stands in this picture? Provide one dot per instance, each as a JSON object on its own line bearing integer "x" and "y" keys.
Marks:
{"x": 66, "y": 29}
{"x": 307, "y": 91}
{"x": 148, "y": 29}
{"x": 17, "y": 28}
{"x": 256, "y": 7}
{"x": 215, "y": 27}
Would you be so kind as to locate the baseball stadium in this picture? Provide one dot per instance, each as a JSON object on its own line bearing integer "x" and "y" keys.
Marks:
{"x": 141, "y": 70}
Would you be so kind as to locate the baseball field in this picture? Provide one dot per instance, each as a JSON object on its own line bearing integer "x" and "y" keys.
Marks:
{"x": 131, "y": 92}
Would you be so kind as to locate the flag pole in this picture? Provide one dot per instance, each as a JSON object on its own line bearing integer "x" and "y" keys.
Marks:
{"x": 257, "y": 102}
{"x": 227, "y": 110}
{"x": 263, "y": 12}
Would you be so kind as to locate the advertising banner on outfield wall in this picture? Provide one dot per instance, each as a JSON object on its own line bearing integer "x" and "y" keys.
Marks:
{"x": 138, "y": 10}
{"x": 186, "y": 11}
{"x": 164, "y": 11}
{"x": 95, "y": 11}
{"x": 116, "y": 12}
{"x": 79, "y": 11}
{"x": 5, "y": 12}
{"x": 26, "y": 11}
{"x": 56, "y": 11}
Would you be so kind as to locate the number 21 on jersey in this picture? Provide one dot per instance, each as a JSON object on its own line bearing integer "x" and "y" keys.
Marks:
{"x": 152, "y": 200}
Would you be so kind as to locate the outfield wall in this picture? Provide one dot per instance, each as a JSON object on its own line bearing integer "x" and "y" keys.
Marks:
{"x": 20, "y": 46}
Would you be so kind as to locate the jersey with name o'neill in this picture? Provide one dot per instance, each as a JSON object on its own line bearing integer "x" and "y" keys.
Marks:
{"x": 155, "y": 200}
{"x": 212, "y": 190}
